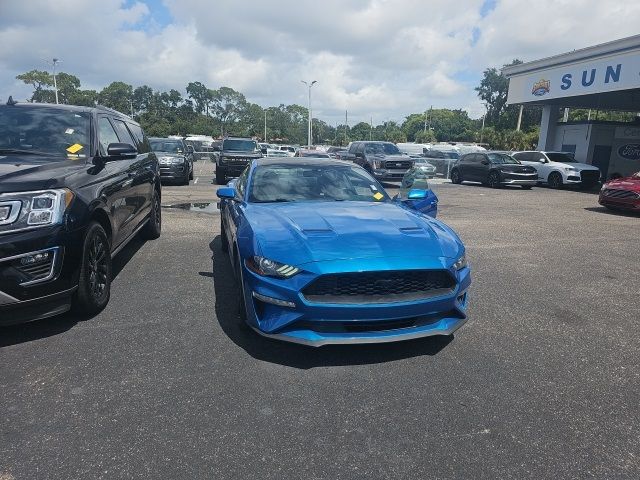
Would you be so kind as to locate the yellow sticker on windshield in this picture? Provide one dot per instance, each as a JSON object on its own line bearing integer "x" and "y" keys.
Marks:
{"x": 75, "y": 148}
{"x": 378, "y": 196}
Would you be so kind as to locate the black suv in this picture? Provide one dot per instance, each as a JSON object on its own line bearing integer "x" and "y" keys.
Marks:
{"x": 175, "y": 158}
{"x": 382, "y": 159}
{"x": 235, "y": 154}
{"x": 76, "y": 184}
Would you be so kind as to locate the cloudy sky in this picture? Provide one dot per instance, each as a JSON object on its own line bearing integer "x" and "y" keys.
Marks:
{"x": 376, "y": 58}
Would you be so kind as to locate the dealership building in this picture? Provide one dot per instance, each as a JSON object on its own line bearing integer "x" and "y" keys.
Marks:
{"x": 598, "y": 78}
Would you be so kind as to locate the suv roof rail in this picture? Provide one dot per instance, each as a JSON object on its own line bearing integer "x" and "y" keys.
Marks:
{"x": 111, "y": 110}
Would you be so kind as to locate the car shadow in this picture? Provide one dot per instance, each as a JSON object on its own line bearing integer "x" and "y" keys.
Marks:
{"x": 619, "y": 213}
{"x": 48, "y": 327}
{"x": 291, "y": 354}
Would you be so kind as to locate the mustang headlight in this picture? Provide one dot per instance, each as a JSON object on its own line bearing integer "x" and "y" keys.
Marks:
{"x": 461, "y": 262}
{"x": 26, "y": 210}
{"x": 270, "y": 268}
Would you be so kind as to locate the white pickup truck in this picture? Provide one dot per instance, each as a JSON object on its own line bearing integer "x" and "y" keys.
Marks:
{"x": 560, "y": 168}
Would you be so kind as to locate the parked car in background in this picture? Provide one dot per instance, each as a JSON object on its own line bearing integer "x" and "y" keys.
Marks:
{"x": 560, "y": 168}
{"x": 290, "y": 149}
{"x": 203, "y": 146}
{"x": 332, "y": 150}
{"x": 421, "y": 170}
{"x": 76, "y": 185}
{"x": 381, "y": 159}
{"x": 235, "y": 155}
{"x": 175, "y": 159}
{"x": 413, "y": 148}
{"x": 494, "y": 169}
{"x": 276, "y": 152}
{"x": 443, "y": 161}
{"x": 621, "y": 193}
{"x": 311, "y": 153}
{"x": 323, "y": 255}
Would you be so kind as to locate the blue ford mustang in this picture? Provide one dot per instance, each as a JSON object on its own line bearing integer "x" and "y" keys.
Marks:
{"x": 324, "y": 256}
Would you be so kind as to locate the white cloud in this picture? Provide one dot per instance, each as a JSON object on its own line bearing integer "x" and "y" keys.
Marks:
{"x": 380, "y": 58}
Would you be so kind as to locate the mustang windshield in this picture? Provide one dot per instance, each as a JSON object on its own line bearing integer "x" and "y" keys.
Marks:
{"x": 166, "y": 146}
{"x": 293, "y": 183}
{"x": 44, "y": 131}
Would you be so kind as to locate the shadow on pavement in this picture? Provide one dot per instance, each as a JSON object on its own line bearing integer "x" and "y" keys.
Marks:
{"x": 48, "y": 327}
{"x": 300, "y": 356}
{"x": 619, "y": 213}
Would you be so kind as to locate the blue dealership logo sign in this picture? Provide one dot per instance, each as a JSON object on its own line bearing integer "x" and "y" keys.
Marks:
{"x": 631, "y": 151}
{"x": 541, "y": 87}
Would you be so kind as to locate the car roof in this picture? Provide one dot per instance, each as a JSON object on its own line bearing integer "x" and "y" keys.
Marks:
{"x": 72, "y": 108}
{"x": 297, "y": 161}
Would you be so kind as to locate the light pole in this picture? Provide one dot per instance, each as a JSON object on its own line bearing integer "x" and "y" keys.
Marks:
{"x": 309, "y": 126}
{"x": 55, "y": 83}
{"x": 265, "y": 125}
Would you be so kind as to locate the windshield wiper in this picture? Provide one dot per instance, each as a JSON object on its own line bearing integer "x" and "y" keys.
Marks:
{"x": 26, "y": 152}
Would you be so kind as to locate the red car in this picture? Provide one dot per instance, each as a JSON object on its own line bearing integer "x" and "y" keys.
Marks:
{"x": 622, "y": 193}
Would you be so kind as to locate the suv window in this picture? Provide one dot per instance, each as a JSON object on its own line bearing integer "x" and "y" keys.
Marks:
{"x": 106, "y": 135}
{"x": 123, "y": 133}
{"x": 360, "y": 148}
{"x": 141, "y": 140}
{"x": 352, "y": 148}
{"x": 239, "y": 144}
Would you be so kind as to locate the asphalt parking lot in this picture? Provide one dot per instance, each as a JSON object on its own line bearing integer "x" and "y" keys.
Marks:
{"x": 542, "y": 382}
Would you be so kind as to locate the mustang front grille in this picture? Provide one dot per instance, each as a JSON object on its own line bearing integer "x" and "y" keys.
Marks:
{"x": 623, "y": 194}
{"x": 379, "y": 287}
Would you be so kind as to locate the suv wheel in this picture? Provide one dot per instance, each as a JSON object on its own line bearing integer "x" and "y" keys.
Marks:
{"x": 555, "y": 180}
{"x": 94, "y": 283}
{"x": 494, "y": 180}
{"x": 455, "y": 176}
{"x": 153, "y": 228}
{"x": 221, "y": 177}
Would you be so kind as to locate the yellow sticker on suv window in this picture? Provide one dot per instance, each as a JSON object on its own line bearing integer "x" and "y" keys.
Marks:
{"x": 378, "y": 196}
{"x": 75, "y": 148}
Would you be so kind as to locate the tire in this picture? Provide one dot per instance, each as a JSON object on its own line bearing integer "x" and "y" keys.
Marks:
{"x": 493, "y": 180}
{"x": 555, "y": 180}
{"x": 456, "y": 177}
{"x": 221, "y": 177}
{"x": 526, "y": 187}
{"x": 94, "y": 281}
{"x": 153, "y": 228}
{"x": 223, "y": 238}
{"x": 191, "y": 174}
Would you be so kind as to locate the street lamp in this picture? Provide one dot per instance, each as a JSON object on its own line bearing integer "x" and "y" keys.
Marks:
{"x": 55, "y": 83}
{"x": 309, "y": 126}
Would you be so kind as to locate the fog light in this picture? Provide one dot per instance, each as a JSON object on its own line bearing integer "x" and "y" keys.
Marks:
{"x": 37, "y": 258}
{"x": 4, "y": 213}
{"x": 273, "y": 301}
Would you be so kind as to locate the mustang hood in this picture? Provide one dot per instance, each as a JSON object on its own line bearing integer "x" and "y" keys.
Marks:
{"x": 298, "y": 233}
{"x": 627, "y": 183}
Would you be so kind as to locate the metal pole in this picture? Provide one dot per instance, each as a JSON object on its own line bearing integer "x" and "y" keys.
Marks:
{"x": 265, "y": 125}
{"x": 482, "y": 129}
{"x": 346, "y": 125}
{"x": 370, "y": 128}
{"x": 55, "y": 83}
{"x": 520, "y": 118}
{"x": 565, "y": 116}
{"x": 309, "y": 123}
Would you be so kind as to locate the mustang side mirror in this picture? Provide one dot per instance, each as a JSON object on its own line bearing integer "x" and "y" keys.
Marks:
{"x": 417, "y": 194}
{"x": 424, "y": 201}
{"x": 226, "y": 192}
{"x": 119, "y": 151}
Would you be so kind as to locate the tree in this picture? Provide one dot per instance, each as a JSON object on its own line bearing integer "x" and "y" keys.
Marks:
{"x": 361, "y": 131}
{"x": 425, "y": 136}
{"x": 200, "y": 95}
{"x": 226, "y": 105}
{"x": 39, "y": 80}
{"x": 117, "y": 95}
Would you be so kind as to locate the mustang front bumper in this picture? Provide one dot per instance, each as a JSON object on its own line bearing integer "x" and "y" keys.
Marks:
{"x": 278, "y": 309}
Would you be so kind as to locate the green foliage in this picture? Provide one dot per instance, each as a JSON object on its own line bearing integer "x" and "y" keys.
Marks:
{"x": 117, "y": 95}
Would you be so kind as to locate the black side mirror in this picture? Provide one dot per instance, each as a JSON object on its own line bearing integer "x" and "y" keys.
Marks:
{"x": 119, "y": 151}
{"x": 190, "y": 148}
{"x": 485, "y": 162}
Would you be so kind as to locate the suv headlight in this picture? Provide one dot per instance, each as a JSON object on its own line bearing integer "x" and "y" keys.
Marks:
{"x": 461, "y": 262}
{"x": 26, "y": 210}
{"x": 270, "y": 268}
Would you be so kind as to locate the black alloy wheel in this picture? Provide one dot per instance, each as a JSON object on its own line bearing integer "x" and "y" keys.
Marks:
{"x": 555, "y": 180}
{"x": 191, "y": 174}
{"x": 94, "y": 282}
{"x": 494, "y": 180}
{"x": 153, "y": 228}
{"x": 456, "y": 177}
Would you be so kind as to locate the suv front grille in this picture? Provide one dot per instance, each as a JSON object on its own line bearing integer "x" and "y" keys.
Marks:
{"x": 379, "y": 287}
{"x": 590, "y": 176}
